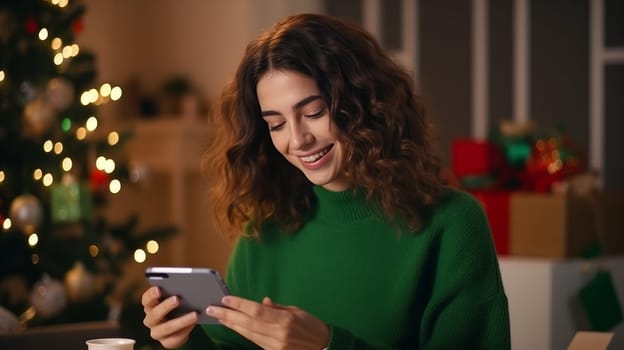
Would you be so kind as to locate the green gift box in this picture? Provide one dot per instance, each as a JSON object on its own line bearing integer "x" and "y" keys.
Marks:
{"x": 70, "y": 203}
{"x": 600, "y": 302}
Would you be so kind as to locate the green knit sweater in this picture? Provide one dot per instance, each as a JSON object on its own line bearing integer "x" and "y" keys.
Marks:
{"x": 377, "y": 288}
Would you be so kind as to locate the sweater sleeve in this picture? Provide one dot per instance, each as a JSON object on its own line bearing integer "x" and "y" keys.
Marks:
{"x": 468, "y": 308}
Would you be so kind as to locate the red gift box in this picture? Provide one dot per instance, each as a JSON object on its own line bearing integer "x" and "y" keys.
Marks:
{"x": 496, "y": 206}
{"x": 474, "y": 157}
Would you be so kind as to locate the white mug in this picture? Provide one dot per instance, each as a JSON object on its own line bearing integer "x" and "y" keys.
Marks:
{"x": 110, "y": 344}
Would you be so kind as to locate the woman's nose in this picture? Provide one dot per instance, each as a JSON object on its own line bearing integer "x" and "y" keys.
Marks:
{"x": 300, "y": 137}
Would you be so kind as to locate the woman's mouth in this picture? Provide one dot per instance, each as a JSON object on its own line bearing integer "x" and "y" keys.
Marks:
{"x": 316, "y": 156}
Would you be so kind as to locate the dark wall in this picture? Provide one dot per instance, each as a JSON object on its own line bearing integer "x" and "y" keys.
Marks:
{"x": 500, "y": 60}
{"x": 560, "y": 67}
{"x": 445, "y": 67}
{"x": 614, "y": 128}
{"x": 559, "y": 70}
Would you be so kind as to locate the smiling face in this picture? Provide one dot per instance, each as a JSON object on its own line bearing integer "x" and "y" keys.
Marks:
{"x": 301, "y": 128}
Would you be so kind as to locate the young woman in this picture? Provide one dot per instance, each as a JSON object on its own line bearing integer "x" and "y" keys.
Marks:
{"x": 348, "y": 237}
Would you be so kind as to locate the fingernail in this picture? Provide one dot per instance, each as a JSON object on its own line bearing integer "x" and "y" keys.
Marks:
{"x": 210, "y": 311}
{"x": 173, "y": 300}
{"x": 226, "y": 301}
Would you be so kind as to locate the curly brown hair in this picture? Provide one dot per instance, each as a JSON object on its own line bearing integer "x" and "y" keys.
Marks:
{"x": 372, "y": 100}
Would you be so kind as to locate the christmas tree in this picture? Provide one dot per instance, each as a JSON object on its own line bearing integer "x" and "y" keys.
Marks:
{"x": 59, "y": 256}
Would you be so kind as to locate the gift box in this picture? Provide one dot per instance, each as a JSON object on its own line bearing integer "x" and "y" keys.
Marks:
{"x": 70, "y": 202}
{"x": 599, "y": 302}
{"x": 566, "y": 225}
{"x": 496, "y": 207}
{"x": 474, "y": 157}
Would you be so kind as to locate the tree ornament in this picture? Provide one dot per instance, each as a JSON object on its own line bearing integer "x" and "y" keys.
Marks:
{"x": 38, "y": 117}
{"x": 59, "y": 93}
{"x": 48, "y": 296}
{"x": 28, "y": 92}
{"x": 77, "y": 26}
{"x": 80, "y": 283}
{"x": 8, "y": 321}
{"x": 70, "y": 201}
{"x": 138, "y": 172}
{"x": 26, "y": 213}
{"x": 7, "y": 25}
{"x": 31, "y": 25}
{"x": 98, "y": 181}
{"x": 15, "y": 290}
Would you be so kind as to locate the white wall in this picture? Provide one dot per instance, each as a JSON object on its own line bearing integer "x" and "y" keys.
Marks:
{"x": 153, "y": 40}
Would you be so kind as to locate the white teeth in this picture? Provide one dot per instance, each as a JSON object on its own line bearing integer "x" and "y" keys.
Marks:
{"x": 314, "y": 157}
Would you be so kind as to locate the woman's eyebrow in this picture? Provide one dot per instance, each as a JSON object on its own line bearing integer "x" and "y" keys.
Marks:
{"x": 297, "y": 105}
{"x": 305, "y": 101}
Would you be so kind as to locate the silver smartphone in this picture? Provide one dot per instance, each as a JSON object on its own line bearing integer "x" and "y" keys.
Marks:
{"x": 197, "y": 288}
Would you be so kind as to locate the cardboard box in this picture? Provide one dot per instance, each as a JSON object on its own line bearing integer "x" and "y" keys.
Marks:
{"x": 564, "y": 226}
{"x": 584, "y": 340}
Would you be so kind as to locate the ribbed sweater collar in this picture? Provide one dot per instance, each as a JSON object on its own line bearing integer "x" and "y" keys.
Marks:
{"x": 341, "y": 206}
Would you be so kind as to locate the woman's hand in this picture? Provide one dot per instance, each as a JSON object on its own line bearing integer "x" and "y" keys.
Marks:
{"x": 170, "y": 333}
{"x": 272, "y": 326}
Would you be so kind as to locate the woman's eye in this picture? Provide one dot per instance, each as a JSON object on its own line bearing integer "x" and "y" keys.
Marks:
{"x": 275, "y": 127}
{"x": 317, "y": 114}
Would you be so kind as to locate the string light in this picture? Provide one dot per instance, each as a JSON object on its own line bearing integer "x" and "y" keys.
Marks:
{"x": 89, "y": 96}
{"x": 1, "y": 176}
{"x": 48, "y": 146}
{"x": 105, "y": 92}
{"x": 60, "y": 3}
{"x": 6, "y": 224}
{"x": 67, "y": 51}
{"x": 100, "y": 163}
{"x": 37, "y": 174}
{"x": 116, "y": 93}
{"x": 2, "y": 75}
{"x": 139, "y": 255}
{"x": 114, "y": 186}
{"x": 113, "y": 138}
{"x": 34, "y": 259}
{"x": 48, "y": 180}
{"x": 81, "y": 133}
{"x": 109, "y": 167}
{"x": 56, "y": 43}
{"x": 84, "y": 98}
{"x": 33, "y": 239}
{"x": 43, "y": 34}
{"x": 58, "y": 148}
{"x": 66, "y": 124}
{"x": 105, "y": 89}
{"x": 75, "y": 50}
{"x": 152, "y": 247}
{"x": 92, "y": 123}
{"x": 67, "y": 164}
{"x": 93, "y": 95}
{"x": 93, "y": 250}
{"x": 58, "y": 59}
